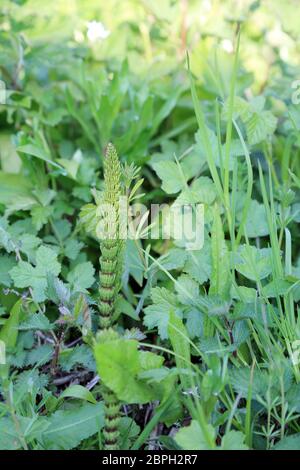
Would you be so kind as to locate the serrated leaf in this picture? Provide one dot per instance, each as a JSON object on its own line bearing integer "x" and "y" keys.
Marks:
{"x": 40, "y": 355}
{"x": 199, "y": 263}
{"x": 157, "y": 314}
{"x": 253, "y": 263}
{"x": 82, "y": 276}
{"x": 169, "y": 173}
{"x": 36, "y": 321}
{"x": 25, "y": 275}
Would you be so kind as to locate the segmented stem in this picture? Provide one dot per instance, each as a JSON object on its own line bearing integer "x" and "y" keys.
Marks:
{"x": 110, "y": 260}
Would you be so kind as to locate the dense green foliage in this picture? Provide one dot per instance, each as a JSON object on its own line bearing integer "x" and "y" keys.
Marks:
{"x": 143, "y": 342}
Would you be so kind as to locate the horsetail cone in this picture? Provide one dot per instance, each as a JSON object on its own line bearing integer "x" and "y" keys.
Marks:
{"x": 110, "y": 245}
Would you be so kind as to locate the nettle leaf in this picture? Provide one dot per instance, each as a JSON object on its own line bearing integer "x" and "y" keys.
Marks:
{"x": 253, "y": 263}
{"x": 40, "y": 355}
{"x": 81, "y": 355}
{"x": 157, "y": 314}
{"x": 82, "y": 276}
{"x": 192, "y": 437}
{"x": 25, "y": 275}
{"x": 240, "y": 380}
{"x": 67, "y": 428}
{"x": 119, "y": 363}
{"x": 36, "y": 321}
{"x": 29, "y": 381}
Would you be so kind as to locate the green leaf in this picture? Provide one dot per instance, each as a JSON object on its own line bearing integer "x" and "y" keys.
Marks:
{"x": 78, "y": 391}
{"x": 169, "y": 173}
{"x": 80, "y": 355}
{"x": 72, "y": 248}
{"x": 38, "y": 152}
{"x": 6, "y": 264}
{"x": 199, "y": 263}
{"x": 14, "y": 187}
{"x": 67, "y": 428}
{"x": 256, "y": 223}
{"x": 191, "y": 437}
{"x": 260, "y": 126}
{"x": 220, "y": 277}
{"x": 82, "y": 276}
{"x": 25, "y": 275}
{"x": 36, "y": 321}
{"x": 157, "y": 314}
{"x": 119, "y": 362}
{"x": 187, "y": 289}
{"x": 30, "y": 428}
{"x": 9, "y": 332}
{"x": 40, "y": 355}
{"x": 233, "y": 440}
{"x": 40, "y": 215}
{"x": 202, "y": 190}
{"x": 253, "y": 263}
{"x": 288, "y": 443}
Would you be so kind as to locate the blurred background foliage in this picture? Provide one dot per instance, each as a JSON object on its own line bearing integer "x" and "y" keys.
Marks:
{"x": 105, "y": 70}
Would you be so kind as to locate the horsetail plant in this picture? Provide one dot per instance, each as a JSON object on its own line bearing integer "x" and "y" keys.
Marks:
{"x": 103, "y": 221}
{"x": 110, "y": 281}
{"x": 111, "y": 246}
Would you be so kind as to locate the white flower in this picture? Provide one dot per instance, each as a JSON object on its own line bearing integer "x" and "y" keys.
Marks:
{"x": 227, "y": 45}
{"x": 78, "y": 36}
{"x": 96, "y": 31}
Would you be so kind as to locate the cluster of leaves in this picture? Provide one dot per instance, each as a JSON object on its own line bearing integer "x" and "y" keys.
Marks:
{"x": 207, "y": 346}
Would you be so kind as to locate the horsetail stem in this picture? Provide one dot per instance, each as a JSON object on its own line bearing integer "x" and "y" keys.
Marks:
{"x": 110, "y": 280}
